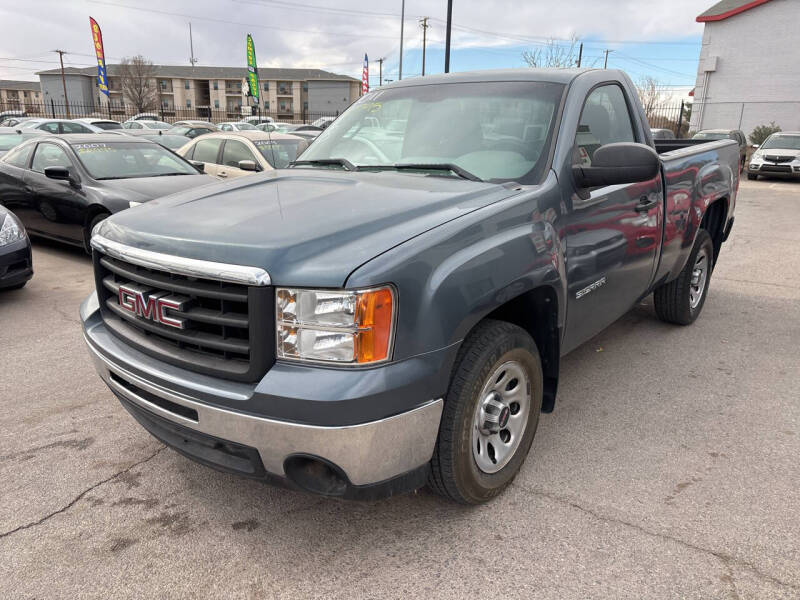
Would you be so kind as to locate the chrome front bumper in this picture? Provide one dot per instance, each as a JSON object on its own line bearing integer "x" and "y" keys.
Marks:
{"x": 368, "y": 453}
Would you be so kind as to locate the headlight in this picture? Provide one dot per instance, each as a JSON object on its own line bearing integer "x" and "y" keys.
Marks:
{"x": 133, "y": 203}
{"x": 11, "y": 230}
{"x": 347, "y": 327}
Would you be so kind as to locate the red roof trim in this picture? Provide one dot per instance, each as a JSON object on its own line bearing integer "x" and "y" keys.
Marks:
{"x": 730, "y": 13}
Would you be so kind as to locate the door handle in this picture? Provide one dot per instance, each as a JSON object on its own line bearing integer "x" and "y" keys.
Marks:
{"x": 645, "y": 204}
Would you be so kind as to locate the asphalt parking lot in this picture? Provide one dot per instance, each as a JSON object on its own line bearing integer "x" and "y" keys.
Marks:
{"x": 670, "y": 468}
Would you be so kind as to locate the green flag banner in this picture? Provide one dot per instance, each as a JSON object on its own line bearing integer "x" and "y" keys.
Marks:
{"x": 252, "y": 68}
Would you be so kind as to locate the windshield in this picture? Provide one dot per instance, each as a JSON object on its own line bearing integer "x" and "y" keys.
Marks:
{"x": 156, "y": 124}
{"x": 7, "y": 142}
{"x": 246, "y": 127}
{"x": 703, "y": 135}
{"x": 785, "y": 142}
{"x": 123, "y": 160}
{"x": 497, "y": 131}
{"x": 107, "y": 125}
{"x": 279, "y": 153}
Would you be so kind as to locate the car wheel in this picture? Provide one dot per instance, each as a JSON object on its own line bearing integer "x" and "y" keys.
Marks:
{"x": 752, "y": 176}
{"x": 87, "y": 234}
{"x": 490, "y": 415}
{"x": 681, "y": 300}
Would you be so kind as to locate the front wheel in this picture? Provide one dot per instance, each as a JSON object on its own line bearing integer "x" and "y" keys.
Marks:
{"x": 681, "y": 300}
{"x": 752, "y": 176}
{"x": 490, "y": 415}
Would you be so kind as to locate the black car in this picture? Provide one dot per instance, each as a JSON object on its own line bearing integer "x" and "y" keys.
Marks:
{"x": 62, "y": 187}
{"x": 10, "y": 137}
{"x": 16, "y": 264}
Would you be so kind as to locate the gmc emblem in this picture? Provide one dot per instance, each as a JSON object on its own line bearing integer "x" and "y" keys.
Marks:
{"x": 152, "y": 305}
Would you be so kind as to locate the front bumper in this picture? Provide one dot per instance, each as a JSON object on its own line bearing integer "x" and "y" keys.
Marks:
{"x": 16, "y": 263}
{"x": 757, "y": 167}
{"x": 191, "y": 412}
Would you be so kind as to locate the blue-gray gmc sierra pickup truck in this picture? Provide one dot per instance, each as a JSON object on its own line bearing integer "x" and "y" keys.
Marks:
{"x": 391, "y": 310}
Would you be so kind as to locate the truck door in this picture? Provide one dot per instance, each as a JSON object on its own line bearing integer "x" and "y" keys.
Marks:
{"x": 613, "y": 237}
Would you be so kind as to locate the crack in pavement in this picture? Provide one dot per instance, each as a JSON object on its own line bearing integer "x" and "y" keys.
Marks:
{"x": 726, "y": 559}
{"x": 81, "y": 495}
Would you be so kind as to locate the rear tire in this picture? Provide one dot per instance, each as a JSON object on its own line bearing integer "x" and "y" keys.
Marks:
{"x": 681, "y": 300}
{"x": 498, "y": 366}
{"x": 752, "y": 176}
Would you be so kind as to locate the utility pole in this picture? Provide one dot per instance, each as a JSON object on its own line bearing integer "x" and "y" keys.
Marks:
{"x": 192, "y": 59}
{"x": 402, "y": 20}
{"x": 423, "y": 22}
{"x": 380, "y": 71}
{"x": 605, "y": 62}
{"x": 580, "y": 55}
{"x": 61, "y": 54}
{"x": 447, "y": 36}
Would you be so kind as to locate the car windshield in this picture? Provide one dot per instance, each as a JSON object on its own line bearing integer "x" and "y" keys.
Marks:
{"x": 495, "y": 131}
{"x": 107, "y": 125}
{"x": 246, "y": 127}
{"x": 785, "y": 142}
{"x": 279, "y": 153}
{"x": 124, "y": 160}
{"x": 710, "y": 135}
{"x": 7, "y": 142}
{"x": 156, "y": 125}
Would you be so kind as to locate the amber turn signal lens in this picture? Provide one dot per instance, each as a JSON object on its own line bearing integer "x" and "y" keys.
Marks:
{"x": 374, "y": 319}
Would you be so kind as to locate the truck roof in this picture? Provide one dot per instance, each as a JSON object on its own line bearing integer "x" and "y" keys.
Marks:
{"x": 563, "y": 76}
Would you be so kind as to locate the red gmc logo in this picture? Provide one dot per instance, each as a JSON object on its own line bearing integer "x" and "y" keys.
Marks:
{"x": 141, "y": 302}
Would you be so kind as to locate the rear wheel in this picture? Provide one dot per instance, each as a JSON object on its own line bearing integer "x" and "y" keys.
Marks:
{"x": 490, "y": 415}
{"x": 681, "y": 300}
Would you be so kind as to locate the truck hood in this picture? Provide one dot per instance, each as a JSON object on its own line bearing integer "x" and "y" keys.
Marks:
{"x": 304, "y": 226}
{"x": 142, "y": 189}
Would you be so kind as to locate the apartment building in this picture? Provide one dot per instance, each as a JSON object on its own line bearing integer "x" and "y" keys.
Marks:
{"x": 20, "y": 95}
{"x": 289, "y": 93}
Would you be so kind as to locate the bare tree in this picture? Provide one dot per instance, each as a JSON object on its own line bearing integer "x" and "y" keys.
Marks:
{"x": 553, "y": 55}
{"x": 138, "y": 81}
{"x": 652, "y": 95}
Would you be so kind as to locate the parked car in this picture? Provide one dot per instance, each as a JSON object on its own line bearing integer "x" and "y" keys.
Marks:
{"x": 145, "y": 124}
{"x": 233, "y": 154}
{"x": 62, "y": 187}
{"x": 257, "y": 120}
{"x": 323, "y": 122}
{"x": 778, "y": 155}
{"x": 308, "y": 134}
{"x": 16, "y": 260}
{"x": 195, "y": 123}
{"x": 167, "y": 139}
{"x": 192, "y": 129}
{"x": 392, "y": 310}
{"x": 144, "y": 117}
{"x": 12, "y": 121}
{"x": 11, "y": 137}
{"x": 104, "y": 124}
{"x": 12, "y": 113}
{"x": 662, "y": 134}
{"x": 736, "y": 135}
{"x": 238, "y": 126}
{"x": 58, "y": 126}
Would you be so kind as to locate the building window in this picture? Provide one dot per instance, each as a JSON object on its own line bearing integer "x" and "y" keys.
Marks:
{"x": 283, "y": 106}
{"x": 266, "y": 104}
{"x": 216, "y": 103}
{"x": 163, "y": 84}
{"x": 188, "y": 103}
{"x": 239, "y": 85}
{"x": 165, "y": 103}
{"x": 266, "y": 86}
{"x": 216, "y": 85}
{"x": 305, "y": 86}
{"x": 186, "y": 84}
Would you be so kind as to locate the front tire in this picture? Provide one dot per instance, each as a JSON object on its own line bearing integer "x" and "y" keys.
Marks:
{"x": 490, "y": 415}
{"x": 752, "y": 176}
{"x": 681, "y": 300}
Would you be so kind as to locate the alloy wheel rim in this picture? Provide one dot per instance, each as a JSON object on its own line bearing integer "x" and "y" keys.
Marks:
{"x": 501, "y": 416}
{"x": 697, "y": 284}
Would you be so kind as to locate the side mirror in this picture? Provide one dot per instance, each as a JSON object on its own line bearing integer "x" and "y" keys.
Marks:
{"x": 618, "y": 163}
{"x": 61, "y": 174}
{"x": 248, "y": 165}
{"x": 200, "y": 166}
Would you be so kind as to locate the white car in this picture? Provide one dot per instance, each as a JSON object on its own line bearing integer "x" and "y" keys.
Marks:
{"x": 238, "y": 126}
{"x": 58, "y": 126}
{"x": 778, "y": 155}
{"x": 145, "y": 117}
{"x": 143, "y": 124}
{"x": 104, "y": 124}
{"x": 323, "y": 122}
{"x": 258, "y": 120}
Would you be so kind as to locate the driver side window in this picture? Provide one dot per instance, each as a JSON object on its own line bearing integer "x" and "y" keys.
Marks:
{"x": 604, "y": 120}
{"x": 49, "y": 155}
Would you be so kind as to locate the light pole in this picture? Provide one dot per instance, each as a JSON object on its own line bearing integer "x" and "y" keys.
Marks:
{"x": 447, "y": 36}
{"x": 402, "y": 20}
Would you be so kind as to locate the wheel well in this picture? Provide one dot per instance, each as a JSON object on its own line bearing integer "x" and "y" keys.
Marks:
{"x": 93, "y": 211}
{"x": 714, "y": 223}
{"x": 536, "y": 312}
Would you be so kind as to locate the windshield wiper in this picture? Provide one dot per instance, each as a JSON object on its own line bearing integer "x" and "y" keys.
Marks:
{"x": 342, "y": 162}
{"x": 452, "y": 167}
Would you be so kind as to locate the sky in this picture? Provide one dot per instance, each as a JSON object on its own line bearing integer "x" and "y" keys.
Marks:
{"x": 658, "y": 38}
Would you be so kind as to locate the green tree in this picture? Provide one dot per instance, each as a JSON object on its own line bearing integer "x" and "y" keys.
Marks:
{"x": 762, "y": 132}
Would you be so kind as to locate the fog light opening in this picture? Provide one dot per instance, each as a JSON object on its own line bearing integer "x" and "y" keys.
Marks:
{"x": 315, "y": 475}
